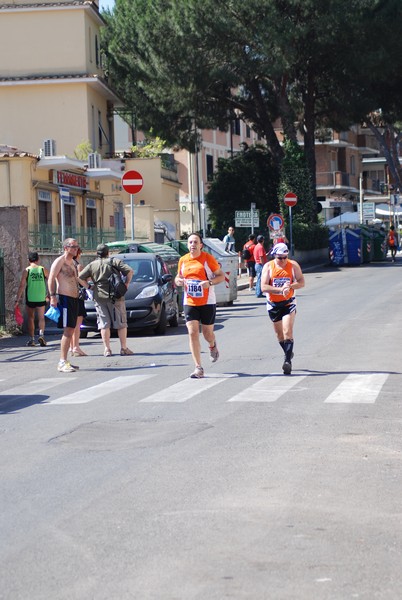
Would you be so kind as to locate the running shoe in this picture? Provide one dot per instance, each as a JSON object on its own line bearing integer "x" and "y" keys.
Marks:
{"x": 198, "y": 373}
{"x": 65, "y": 367}
{"x": 213, "y": 353}
{"x": 31, "y": 343}
{"x": 42, "y": 341}
{"x": 287, "y": 367}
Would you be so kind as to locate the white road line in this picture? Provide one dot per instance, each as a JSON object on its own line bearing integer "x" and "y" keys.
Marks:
{"x": 33, "y": 388}
{"x": 358, "y": 388}
{"x": 268, "y": 389}
{"x": 102, "y": 389}
{"x": 186, "y": 389}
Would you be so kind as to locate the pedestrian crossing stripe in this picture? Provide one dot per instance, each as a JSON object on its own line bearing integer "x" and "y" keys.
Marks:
{"x": 268, "y": 389}
{"x": 358, "y": 388}
{"x": 186, "y": 389}
{"x": 97, "y": 391}
{"x": 33, "y": 388}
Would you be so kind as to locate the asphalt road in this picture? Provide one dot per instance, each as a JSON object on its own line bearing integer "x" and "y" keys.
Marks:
{"x": 127, "y": 480}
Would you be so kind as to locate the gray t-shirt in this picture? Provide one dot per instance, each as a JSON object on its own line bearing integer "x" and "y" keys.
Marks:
{"x": 99, "y": 271}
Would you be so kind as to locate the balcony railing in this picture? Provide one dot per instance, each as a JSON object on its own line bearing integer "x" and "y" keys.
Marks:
{"x": 49, "y": 238}
{"x": 333, "y": 179}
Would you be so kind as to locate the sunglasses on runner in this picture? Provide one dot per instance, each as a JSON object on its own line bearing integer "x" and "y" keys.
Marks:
{"x": 280, "y": 257}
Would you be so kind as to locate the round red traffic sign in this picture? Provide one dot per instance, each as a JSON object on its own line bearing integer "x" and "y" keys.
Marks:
{"x": 132, "y": 182}
{"x": 290, "y": 199}
{"x": 275, "y": 222}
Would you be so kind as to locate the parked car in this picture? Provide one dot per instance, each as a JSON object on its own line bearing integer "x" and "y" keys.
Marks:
{"x": 151, "y": 298}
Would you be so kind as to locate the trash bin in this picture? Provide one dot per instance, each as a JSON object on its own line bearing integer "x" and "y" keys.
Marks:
{"x": 354, "y": 246}
{"x": 337, "y": 249}
{"x": 345, "y": 247}
{"x": 180, "y": 246}
{"x": 226, "y": 291}
{"x": 366, "y": 234}
{"x": 379, "y": 244}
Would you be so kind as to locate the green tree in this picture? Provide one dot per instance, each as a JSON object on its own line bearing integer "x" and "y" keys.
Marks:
{"x": 249, "y": 176}
{"x": 295, "y": 177}
{"x": 185, "y": 64}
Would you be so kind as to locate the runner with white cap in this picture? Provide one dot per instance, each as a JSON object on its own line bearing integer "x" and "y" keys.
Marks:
{"x": 280, "y": 278}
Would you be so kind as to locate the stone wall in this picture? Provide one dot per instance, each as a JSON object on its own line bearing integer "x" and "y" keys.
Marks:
{"x": 14, "y": 243}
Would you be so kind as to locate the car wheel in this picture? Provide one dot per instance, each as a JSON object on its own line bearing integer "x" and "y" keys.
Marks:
{"x": 83, "y": 334}
{"x": 160, "y": 329}
{"x": 174, "y": 321}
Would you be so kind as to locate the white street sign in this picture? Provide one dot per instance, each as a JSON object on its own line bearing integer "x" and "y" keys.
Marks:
{"x": 368, "y": 211}
{"x": 243, "y": 218}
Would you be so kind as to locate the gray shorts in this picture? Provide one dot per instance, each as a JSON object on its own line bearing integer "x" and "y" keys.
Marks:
{"x": 111, "y": 315}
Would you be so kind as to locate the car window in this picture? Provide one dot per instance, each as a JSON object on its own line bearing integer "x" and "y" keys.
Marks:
{"x": 143, "y": 269}
{"x": 159, "y": 267}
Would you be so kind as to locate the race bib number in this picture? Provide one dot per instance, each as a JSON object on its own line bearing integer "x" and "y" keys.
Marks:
{"x": 194, "y": 288}
{"x": 280, "y": 281}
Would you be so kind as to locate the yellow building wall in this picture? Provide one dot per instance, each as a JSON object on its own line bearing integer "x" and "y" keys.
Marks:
{"x": 61, "y": 111}
{"x": 46, "y": 48}
{"x": 15, "y": 183}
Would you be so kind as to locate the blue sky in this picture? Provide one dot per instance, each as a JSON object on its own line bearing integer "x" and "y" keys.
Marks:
{"x": 105, "y": 4}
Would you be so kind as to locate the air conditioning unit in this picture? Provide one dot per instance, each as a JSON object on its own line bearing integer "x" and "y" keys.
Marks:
{"x": 49, "y": 148}
{"x": 94, "y": 160}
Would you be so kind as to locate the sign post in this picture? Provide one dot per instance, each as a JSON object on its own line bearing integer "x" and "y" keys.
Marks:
{"x": 290, "y": 199}
{"x": 132, "y": 183}
{"x": 252, "y": 209}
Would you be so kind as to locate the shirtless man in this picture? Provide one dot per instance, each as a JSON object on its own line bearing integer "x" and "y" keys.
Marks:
{"x": 63, "y": 282}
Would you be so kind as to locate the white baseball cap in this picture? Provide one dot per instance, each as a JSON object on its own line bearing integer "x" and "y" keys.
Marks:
{"x": 280, "y": 248}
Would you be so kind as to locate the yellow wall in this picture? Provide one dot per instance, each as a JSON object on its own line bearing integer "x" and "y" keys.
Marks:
{"x": 61, "y": 111}
{"x": 45, "y": 47}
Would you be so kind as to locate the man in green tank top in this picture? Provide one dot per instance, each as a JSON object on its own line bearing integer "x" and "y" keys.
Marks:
{"x": 33, "y": 280}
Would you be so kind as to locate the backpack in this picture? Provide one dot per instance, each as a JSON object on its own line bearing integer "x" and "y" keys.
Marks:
{"x": 117, "y": 287}
{"x": 246, "y": 254}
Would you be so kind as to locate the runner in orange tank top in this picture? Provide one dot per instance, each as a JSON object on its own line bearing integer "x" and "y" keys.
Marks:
{"x": 280, "y": 278}
{"x": 199, "y": 272}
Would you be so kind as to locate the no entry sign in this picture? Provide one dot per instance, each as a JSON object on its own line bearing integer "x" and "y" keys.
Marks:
{"x": 290, "y": 199}
{"x": 132, "y": 182}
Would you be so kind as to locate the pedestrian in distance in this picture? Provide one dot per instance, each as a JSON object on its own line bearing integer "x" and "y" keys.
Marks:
{"x": 248, "y": 257}
{"x": 111, "y": 312}
{"x": 63, "y": 291}
{"x": 75, "y": 340}
{"x": 229, "y": 240}
{"x": 33, "y": 282}
{"x": 392, "y": 241}
{"x": 199, "y": 272}
{"x": 260, "y": 258}
{"x": 280, "y": 278}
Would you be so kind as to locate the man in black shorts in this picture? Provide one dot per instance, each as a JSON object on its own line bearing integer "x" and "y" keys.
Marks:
{"x": 279, "y": 280}
{"x": 63, "y": 281}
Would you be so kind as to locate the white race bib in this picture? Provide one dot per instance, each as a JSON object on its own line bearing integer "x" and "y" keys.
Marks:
{"x": 194, "y": 288}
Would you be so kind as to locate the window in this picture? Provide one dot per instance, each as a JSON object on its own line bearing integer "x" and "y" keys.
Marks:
{"x": 45, "y": 213}
{"x": 96, "y": 51}
{"x": 248, "y": 131}
{"x": 99, "y": 129}
{"x": 353, "y": 165}
{"x": 210, "y": 167}
{"x": 45, "y": 207}
{"x": 236, "y": 127}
